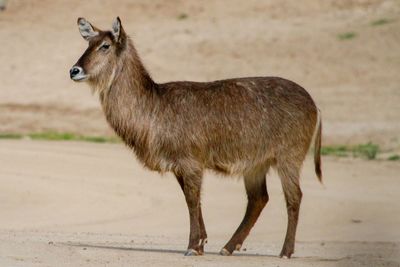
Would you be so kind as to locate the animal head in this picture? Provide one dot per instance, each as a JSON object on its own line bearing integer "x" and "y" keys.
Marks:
{"x": 99, "y": 61}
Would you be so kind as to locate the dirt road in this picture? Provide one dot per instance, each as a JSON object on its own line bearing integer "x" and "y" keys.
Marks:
{"x": 82, "y": 204}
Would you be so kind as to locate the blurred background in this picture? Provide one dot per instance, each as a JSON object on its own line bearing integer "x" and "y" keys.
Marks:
{"x": 88, "y": 204}
{"x": 346, "y": 53}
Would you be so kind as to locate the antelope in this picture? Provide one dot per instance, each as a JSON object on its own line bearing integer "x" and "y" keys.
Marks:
{"x": 237, "y": 127}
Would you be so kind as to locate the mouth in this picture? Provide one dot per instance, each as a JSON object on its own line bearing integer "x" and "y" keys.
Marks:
{"x": 79, "y": 78}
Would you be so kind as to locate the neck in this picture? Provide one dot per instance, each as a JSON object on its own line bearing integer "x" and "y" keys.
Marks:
{"x": 132, "y": 69}
{"x": 129, "y": 99}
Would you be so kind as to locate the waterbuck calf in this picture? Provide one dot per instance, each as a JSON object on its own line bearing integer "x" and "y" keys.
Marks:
{"x": 238, "y": 127}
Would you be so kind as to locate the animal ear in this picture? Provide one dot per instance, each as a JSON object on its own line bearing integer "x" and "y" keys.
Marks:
{"x": 86, "y": 29}
{"x": 117, "y": 30}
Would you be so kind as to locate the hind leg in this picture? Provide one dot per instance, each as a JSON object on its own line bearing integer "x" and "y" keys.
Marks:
{"x": 257, "y": 196}
{"x": 291, "y": 189}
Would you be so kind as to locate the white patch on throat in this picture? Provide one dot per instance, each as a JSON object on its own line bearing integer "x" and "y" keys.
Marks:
{"x": 105, "y": 85}
{"x": 112, "y": 77}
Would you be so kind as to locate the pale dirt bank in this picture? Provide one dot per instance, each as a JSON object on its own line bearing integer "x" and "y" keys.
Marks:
{"x": 354, "y": 81}
{"x": 82, "y": 204}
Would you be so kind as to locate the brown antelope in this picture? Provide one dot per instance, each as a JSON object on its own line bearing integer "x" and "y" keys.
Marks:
{"x": 238, "y": 127}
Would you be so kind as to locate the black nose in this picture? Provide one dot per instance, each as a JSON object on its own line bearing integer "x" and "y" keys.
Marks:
{"x": 74, "y": 71}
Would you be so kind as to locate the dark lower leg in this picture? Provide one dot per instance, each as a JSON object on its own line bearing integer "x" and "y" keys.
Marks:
{"x": 293, "y": 200}
{"x": 203, "y": 233}
{"x": 257, "y": 199}
{"x": 194, "y": 236}
{"x": 191, "y": 187}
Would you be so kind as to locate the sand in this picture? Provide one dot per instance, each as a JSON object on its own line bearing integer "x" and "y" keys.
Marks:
{"x": 82, "y": 204}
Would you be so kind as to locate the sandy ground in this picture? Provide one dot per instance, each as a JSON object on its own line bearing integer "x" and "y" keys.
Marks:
{"x": 81, "y": 204}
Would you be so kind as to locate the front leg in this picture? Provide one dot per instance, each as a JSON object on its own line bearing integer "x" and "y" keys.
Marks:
{"x": 203, "y": 233}
{"x": 191, "y": 187}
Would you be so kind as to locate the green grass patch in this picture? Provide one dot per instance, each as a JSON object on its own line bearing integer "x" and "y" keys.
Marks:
{"x": 346, "y": 35}
{"x": 379, "y": 22}
{"x": 53, "y": 136}
{"x": 339, "y": 151}
{"x": 100, "y": 139}
{"x": 57, "y": 136}
{"x": 10, "y": 136}
{"x": 182, "y": 16}
{"x": 367, "y": 151}
{"x": 394, "y": 157}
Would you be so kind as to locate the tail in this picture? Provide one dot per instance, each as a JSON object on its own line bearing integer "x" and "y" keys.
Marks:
{"x": 317, "y": 147}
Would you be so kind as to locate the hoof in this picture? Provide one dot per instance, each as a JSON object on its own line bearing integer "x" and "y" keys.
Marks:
{"x": 191, "y": 252}
{"x": 225, "y": 252}
{"x": 285, "y": 255}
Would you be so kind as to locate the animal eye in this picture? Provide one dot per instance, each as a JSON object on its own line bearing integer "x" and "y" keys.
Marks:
{"x": 105, "y": 47}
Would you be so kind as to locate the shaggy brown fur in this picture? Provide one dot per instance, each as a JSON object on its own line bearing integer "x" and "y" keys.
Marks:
{"x": 238, "y": 127}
